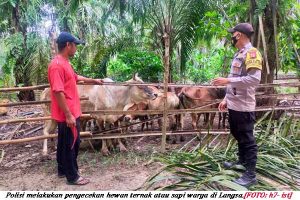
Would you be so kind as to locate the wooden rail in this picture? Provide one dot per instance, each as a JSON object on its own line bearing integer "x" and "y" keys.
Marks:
{"x": 89, "y": 135}
{"x": 118, "y": 112}
{"x": 9, "y": 121}
{"x": 39, "y": 87}
{"x": 36, "y": 138}
{"x": 155, "y": 133}
{"x": 181, "y": 111}
{"x": 32, "y": 102}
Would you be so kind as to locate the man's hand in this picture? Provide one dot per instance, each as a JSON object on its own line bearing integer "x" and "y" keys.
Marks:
{"x": 99, "y": 81}
{"x": 70, "y": 120}
{"x": 220, "y": 81}
{"x": 222, "y": 106}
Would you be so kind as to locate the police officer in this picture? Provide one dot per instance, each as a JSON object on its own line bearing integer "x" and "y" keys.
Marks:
{"x": 245, "y": 75}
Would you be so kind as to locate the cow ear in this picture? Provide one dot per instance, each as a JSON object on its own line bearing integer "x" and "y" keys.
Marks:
{"x": 128, "y": 106}
{"x": 135, "y": 76}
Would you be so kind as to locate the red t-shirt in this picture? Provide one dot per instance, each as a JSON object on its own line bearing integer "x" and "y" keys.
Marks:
{"x": 62, "y": 78}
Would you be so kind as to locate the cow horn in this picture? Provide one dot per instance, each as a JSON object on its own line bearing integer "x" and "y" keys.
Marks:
{"x": 135, "y": 75}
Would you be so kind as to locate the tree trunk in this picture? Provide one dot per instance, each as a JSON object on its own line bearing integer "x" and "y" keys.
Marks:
{"x": 268, "y": 25}
{"x": 20, "y": 71}
{"x": 166, "y": 39}
{"x": 65, "y": 20}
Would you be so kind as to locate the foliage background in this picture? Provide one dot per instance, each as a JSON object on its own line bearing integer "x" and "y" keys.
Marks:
{"x": 126, "y": 36}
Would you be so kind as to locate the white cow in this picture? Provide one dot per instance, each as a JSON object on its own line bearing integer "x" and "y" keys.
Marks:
{"x": 104, "y": 97}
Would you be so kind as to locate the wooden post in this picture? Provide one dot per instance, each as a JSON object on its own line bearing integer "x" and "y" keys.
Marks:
{"x": 166, "y": 37}
{"x": 261, "y": 28}
{"x": 274, "y": 11}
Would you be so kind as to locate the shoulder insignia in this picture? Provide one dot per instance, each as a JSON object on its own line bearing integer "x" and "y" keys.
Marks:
{"x": 253, "y": 59}
{"x": 252, "y": 54}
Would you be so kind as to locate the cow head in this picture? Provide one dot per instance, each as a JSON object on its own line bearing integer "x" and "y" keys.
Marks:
{"x": 140, "y": 93}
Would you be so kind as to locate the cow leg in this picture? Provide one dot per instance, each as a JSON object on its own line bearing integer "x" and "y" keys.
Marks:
{"x": 194, "y": 121}
{"x": 104, "y": 149}
{"x": 83, "y": 124}
{"x": 178, "y": 122}
{"x": 220, "y": 119}
{"x": 49, "y": 128}
{"x": 122, "y": 146}
{"x": 212, "y": 118}
{"x": 143, "y": 124}
{"x": 152, "y": 124}
{"x": 224, "y": 115}
{"x": 206, "y": 119}
{"x": 159, "y": 121}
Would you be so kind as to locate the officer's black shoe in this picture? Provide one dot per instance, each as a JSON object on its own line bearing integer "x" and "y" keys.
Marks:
{"x": 247, "y": 179}
{"x": 228, "y": 165}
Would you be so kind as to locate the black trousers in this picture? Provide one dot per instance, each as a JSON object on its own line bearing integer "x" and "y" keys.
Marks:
{"x": 65, "y": 155}
{"x": 241, "y": 127}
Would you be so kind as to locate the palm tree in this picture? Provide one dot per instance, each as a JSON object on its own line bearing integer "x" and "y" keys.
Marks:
{"x": 171, "y": 25}
{"x": 22, "y": 19}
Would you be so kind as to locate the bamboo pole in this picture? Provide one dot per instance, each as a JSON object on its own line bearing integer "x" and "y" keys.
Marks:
{"x": 258, "y": 38}
{"x": 86, "y": 98}
{"x": 261, "y": 28}
{"x": 37, "y": 87}
{"x": 274, "y": 11}
{"x": 31, "y": 102}
{"x": 8, "y": 121}
{"x": 284, "y": 84}
{"x": 156, "y": 133}
{"x": 36, "y": 138}
{"x": 179, "y": 111}
{"x": 166, "y": 38}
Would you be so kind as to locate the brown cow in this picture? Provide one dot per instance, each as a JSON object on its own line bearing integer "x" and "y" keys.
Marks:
{"x": 193, "y": 97}
{"x": 3, "y": 110}
{"x": 130, "y": 117}
{"x": 106, "y": 97}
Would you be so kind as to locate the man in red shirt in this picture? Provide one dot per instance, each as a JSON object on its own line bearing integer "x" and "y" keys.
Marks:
{"x": 65, "y": 107}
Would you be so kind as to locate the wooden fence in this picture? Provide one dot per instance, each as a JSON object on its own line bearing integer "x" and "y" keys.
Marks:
{"x": 165, "y": 112}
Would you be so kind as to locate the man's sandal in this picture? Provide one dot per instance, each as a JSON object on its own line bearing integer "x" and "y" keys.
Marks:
{"x": 79, "y": 181}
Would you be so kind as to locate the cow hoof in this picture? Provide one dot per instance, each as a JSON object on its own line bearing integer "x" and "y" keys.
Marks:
{"x": 105, "y": 153}
{"x": 123, "y": 150}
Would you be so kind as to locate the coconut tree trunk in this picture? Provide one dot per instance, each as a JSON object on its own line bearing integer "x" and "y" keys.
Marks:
{"x": 65, "y": 20}
{"x": 166, "y": 39}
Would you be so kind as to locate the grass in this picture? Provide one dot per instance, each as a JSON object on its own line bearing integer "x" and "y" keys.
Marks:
{"x": 286, "y": 90}
{"x": 278, "y": 162}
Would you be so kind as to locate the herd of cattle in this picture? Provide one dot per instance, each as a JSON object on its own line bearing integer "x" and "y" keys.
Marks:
{"x": 134, "y": 97}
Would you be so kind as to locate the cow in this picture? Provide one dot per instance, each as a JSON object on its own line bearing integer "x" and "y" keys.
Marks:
{"x": 193, "y": 97}
{"x": 158, "y": 104}
{"x": 130, "y": 117}
{"x": 3, "y": 110}
{"x": 108, "y": 97}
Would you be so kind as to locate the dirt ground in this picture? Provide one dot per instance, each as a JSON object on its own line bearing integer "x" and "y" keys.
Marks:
{"x": 22, "y": 166}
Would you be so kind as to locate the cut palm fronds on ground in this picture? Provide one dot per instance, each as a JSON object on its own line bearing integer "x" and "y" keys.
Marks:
{"x": 278, "y": 164}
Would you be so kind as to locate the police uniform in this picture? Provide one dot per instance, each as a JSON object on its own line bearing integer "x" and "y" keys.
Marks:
{"x": 245, "y": 75}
